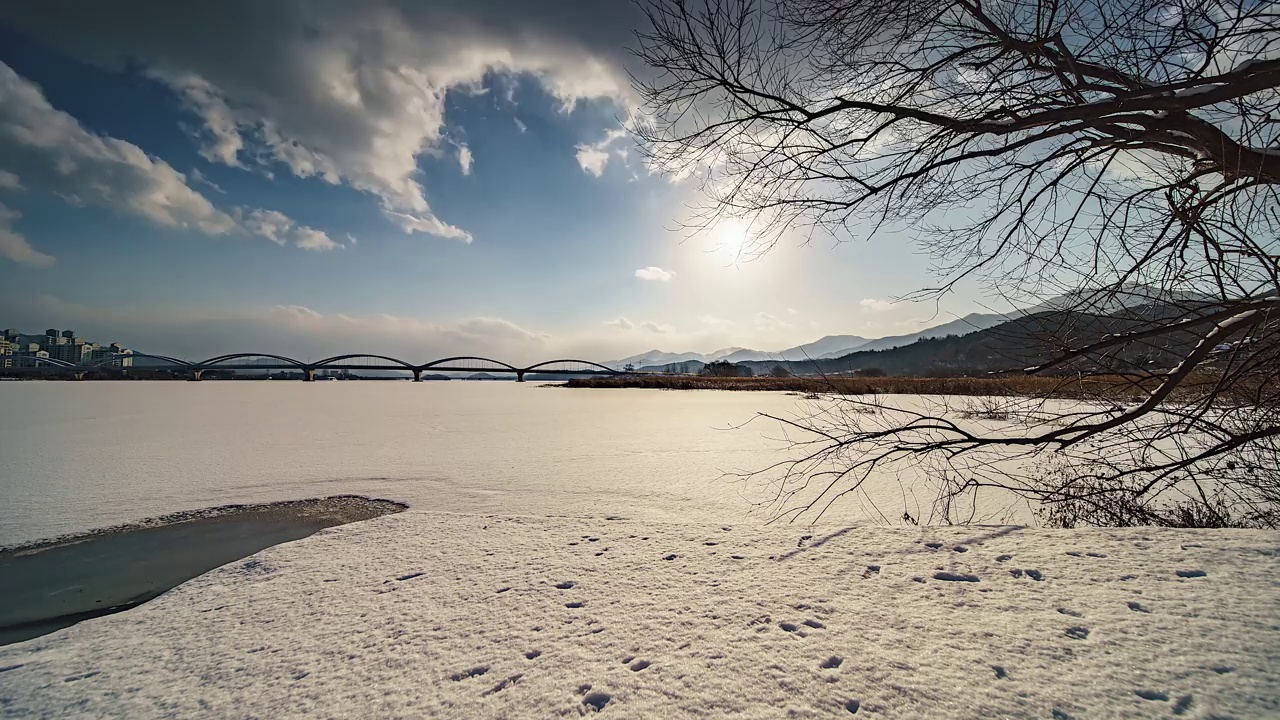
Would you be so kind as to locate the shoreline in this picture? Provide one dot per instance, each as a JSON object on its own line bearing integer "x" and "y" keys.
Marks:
{"x": 56, "y": 582}
{"x": 1058, "y": 387}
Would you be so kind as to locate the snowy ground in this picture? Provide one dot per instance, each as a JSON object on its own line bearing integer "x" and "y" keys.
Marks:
{"x": 427, "y": 614}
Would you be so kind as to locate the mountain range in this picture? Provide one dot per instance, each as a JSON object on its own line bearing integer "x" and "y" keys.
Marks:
{"x": 830, "y": 346}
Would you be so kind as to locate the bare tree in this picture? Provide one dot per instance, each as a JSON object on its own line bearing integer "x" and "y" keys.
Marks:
{"x": 1123, "y": 155}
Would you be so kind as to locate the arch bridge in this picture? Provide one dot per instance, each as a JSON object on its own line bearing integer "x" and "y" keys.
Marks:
{"x": 308, "y": 368}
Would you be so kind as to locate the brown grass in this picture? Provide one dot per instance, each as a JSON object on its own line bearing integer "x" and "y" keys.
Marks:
{"x": 1019, "y": 385}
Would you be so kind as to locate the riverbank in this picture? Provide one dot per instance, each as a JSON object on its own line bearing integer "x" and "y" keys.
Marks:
{"x": 1016, "y": 385}
{"x": 425, "y": 614}
{"x": 52, "y": 584}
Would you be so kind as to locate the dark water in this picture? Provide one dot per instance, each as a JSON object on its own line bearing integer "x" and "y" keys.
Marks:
{"x": 48, "y": 586}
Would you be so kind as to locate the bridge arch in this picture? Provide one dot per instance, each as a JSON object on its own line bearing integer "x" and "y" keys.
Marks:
{"x": 36, "y": 361}
{"x": 338, "y": 358}
{"x": 534, "y": 368}
{"x": 446, "y": 361}
{"x": 126, "y": 356}
{"x": 219, "y": 360}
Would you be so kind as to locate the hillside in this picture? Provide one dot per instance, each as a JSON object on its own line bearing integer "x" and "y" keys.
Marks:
{"x": 1011, "y": 345}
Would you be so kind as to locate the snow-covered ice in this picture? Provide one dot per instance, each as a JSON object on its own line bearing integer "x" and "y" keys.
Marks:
{"x": 428, "y": 614}
{"x": 568, "y": 553}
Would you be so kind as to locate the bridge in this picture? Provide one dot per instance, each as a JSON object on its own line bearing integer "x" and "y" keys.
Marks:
{"x": 258, "y": 362}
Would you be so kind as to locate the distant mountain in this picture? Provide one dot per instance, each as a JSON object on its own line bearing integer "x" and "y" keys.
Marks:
{"x": 963, "y": 326}
{"x": 658, "y": 357}
{"x": 722, "y": 354}
{"x": 823, "y": 346}
{"x": 826, "y": 347}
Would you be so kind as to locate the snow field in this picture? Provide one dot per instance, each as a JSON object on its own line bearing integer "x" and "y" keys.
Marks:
{"x": 427, "y": 614}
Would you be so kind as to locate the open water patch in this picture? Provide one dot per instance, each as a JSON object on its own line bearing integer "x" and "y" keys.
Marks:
{"x": 51, "y": 584}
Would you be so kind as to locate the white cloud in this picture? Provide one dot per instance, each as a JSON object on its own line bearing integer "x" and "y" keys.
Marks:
{"x": 594, "y": 157}
{"x": 282, "y": 230}
{"x": 14, "y": 246}
{"x": 872, "y": 305}
{"x": 350, "y": 93}
{"x": 311, "y": 239}
{"x": 521, "y": 126}
{"x": 654, "y": 327}
{"x": 199, "y": 177}
{"x": 623, "y": 323}
{"x": 465, "y": 159}
{"x": 768, "y": 323}
{"x": 715, "y": 322}
{"x": 654, "y": 273}
{"x": 52, "y": 149}
{"x": 499, "y": 328}
{"x": 792, "y": 311}
{"x": 9, "y": 181}
{"x": 353, "y": 239}
{"x": 431, "y": 225}
{"x": 592, "y": 160}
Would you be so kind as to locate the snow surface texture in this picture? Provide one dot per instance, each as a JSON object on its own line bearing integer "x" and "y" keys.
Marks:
{"x": 427, "y": 614}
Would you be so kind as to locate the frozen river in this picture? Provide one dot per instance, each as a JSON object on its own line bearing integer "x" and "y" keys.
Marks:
{"x": 75, "y": 456}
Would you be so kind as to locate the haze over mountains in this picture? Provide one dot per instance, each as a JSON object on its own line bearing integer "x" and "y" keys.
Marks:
{"x": 831, "y": 346}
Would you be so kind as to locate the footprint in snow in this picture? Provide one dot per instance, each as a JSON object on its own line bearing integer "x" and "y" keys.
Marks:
{"x": 502, "y": 685}
{"x": 1073, "y": 613}
{"x": 831, "y": 663}
{"x": 955, "y": 577}
{"x": 596, "y": 700}
{"x": 533, "y": 654}
{"x": 476, "y": 671}
{"x": 1191, "y": 573}
{"x": 853, "y": 706}
{"x": 960, "y": 548}
{"x": 1077, "y": 632}
{"x": 575, "y": 605}
{"x": 1035, "y": 575}
{"x": 1151, "y": 695}
{"x": 565, "y": 585}
{"x": 815, "y": 624}
{"x": 1138, "y": 607}
{"x": 639, "y": 665}
{"x": 1004, "y": 558}
{"x": 1001, "y": 673}
{"x": 1183, "y": 704}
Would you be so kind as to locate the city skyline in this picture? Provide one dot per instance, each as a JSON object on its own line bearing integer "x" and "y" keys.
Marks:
{"x": 428, "y": 180}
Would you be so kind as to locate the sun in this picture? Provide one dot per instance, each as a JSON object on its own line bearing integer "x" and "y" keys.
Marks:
{"x": 731, "y": 238}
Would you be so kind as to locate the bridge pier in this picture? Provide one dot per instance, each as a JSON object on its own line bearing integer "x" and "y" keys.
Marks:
{"x": 197, "y": 375}
{"x": 308, "y": 375}
{"x": 417, "y": 376}
{"x": 80, "y": 376}
{"x": 519, "y": 376}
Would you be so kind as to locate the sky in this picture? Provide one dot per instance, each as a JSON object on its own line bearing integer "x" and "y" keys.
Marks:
{"x": 416, "y": 179}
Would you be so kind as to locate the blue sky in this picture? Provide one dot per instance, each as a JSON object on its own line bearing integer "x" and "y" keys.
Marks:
{"x": 327, "y": 177}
